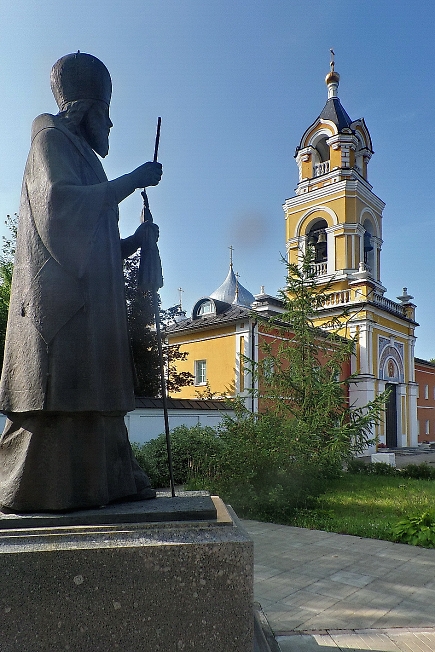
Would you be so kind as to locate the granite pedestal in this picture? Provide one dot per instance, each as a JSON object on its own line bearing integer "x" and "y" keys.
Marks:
{"x": 134, "y": 585}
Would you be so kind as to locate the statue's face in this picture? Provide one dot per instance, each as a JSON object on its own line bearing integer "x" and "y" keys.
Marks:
{"x": 96, "y": 127}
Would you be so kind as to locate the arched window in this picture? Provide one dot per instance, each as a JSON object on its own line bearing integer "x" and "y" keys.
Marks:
{"x": 206, "y": 308}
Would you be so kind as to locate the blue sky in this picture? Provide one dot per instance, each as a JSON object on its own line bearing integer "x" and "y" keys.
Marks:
{"x": 237, "y": 83}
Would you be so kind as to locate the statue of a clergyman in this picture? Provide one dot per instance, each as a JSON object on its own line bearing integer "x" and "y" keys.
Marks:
{"x": 67, "y": 378}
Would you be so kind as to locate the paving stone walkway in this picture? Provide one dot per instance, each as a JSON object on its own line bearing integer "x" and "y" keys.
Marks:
{"x": 322, "y": 590}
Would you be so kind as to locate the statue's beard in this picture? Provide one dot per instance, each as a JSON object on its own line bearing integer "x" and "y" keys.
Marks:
{"x": 100, "y": 144}
{"x": 97, "y": 138}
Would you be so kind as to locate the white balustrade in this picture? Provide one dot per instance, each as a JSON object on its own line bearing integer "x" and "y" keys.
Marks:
{"x": 344, "y": 297}
{"x": 320, "y": 269}
{"x": 338, "y": 298}
{"x": 388, "y": 304}
{"x": 321, "y": 168}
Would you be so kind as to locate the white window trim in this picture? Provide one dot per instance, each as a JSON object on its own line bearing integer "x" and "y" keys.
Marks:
{"x": 200, "y": 370}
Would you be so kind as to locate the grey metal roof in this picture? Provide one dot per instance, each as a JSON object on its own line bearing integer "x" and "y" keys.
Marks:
{"x": 334, "y": 112}
{"x": 231, "y": 291}
{"x": 428, "y": 363}
{"x": 182, "y": 404}
{"x": 233, "y": 313}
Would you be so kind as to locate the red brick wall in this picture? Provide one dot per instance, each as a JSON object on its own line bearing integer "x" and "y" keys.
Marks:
{"x": 425, "y": 378}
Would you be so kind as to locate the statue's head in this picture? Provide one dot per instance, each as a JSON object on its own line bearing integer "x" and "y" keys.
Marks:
{"x": 82, "y": 89}
{"x": 80, "y": 76}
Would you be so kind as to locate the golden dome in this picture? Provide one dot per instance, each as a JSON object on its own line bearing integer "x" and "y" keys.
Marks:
{"x": 332, "y": 77}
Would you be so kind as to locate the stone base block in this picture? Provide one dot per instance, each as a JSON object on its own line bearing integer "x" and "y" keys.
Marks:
{"x": 128, "y": 587}
{"x": 385, "y": 458}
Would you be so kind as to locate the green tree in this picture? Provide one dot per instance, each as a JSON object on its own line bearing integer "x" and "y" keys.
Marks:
{"x": 6, "y": 268}
{"x": 140, "y": 315}
{"x": 301, "y": 379}
{"x": 143, "y": 342}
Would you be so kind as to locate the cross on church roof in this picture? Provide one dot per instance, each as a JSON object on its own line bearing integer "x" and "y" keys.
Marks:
{"x": 332, "y": 64}
{"x": 231, "y": 248}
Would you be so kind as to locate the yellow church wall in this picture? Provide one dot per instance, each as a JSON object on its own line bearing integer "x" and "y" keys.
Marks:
{"x": 350, "y": 209}
{"x": 392, "y": 325}
{"x": 334, "y": 158}
{"x": 338, "y": 286}
{"x": 309, "y": 135}
{"x": 340, "y": 252}
{"x": 218, "y": 348}
{"x": 346, "y": 320}
{"x": 307, "y": 169}
{"x": 293, "y": 255}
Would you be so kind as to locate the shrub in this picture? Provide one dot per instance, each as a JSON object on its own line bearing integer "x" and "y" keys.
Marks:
{"x": 416, "y": 530}
{"x": 260, "y": 470}
{"x": 194, "y": 453}
{"x": 359, "y": 467}
{"x": 380, "y": 468}
{"x": 419, "y": 471}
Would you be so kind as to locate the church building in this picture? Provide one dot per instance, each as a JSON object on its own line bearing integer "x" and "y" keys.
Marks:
{"x": 335, "y": 211}
{"x": 220, "y": 334}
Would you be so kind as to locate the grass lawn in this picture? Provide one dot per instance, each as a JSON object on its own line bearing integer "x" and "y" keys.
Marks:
{"x": 367, "y": 506}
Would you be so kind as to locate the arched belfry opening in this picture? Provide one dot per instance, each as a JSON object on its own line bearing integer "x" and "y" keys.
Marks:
{"x": 321, "y": 157}
{"x": 316, "y": 238}
{"x": 369, "y": 249}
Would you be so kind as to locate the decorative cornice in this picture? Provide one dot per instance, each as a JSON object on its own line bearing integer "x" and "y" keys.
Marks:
{"x": 304, "y": 154}
{"x": 341, "y": 139}
{"x": 349, "y": 187}
{"x": 336, "y": 175}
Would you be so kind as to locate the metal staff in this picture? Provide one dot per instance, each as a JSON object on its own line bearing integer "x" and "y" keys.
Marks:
{"x": 150, "y": 279}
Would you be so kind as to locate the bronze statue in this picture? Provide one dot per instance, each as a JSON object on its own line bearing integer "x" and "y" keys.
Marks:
{"x": 67, "y": 377}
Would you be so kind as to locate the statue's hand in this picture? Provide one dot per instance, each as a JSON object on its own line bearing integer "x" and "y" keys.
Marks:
{"x": 145, "y": 236}
{"x": 144, "y": 231}
{"x": 148, "y": 174}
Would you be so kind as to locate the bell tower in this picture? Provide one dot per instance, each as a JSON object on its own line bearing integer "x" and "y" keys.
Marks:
{"x": 334, "y": 209}
{"x": 335, "y": 212}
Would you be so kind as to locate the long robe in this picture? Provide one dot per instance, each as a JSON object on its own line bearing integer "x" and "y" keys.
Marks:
{"x": 67, "y": 364}
{"x": 67, "y": 343}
